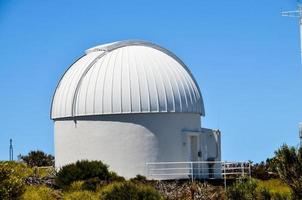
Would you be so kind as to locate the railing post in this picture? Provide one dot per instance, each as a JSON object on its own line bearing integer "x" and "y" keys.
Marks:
{"x": 192, "y": 173}
{"x": 224, "y": 174}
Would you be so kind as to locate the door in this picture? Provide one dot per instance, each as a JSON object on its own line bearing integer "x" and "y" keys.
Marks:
{"x": 194, "y": 148}
{"x": 194, "y": 155}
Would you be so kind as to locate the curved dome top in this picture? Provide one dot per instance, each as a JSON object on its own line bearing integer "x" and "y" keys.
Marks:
{"x": 126, "y": 77}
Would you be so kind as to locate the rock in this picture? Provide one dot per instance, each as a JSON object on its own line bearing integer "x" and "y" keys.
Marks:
{"x": 47, "y": 180}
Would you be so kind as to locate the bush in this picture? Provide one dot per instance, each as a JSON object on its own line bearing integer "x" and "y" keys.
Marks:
{"x": 38, "y": 159}
{"x": 274, "y": 186}
{"x": 281, "y": 196}
{"x": 91, "y": 184}
{"x": 264, "y": 170}
{"x": 82, "y": 171}
{"x": 40, "y": 193}
{"x": 244, "y": 190}
{"x": 114, "y": 177}
{"x": 129, "y": 190}
{"x": 12, "y": 176}
{"x": 76, "y": 186}
{"x": 265, "y": 194}
{"x": 139, "y": 178}
{"x": 258, "y": 189}
{"x": 81, "y": 195}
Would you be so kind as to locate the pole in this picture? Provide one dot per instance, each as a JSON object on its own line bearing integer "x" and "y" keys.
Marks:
{"x": 300, "y": 27}
{"x": 224, "y": 175}
{"x": 11, "y": 150}
{"x": 192, "y": 173}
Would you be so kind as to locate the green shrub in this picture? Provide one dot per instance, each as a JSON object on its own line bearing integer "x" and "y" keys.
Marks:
{"x": 82, "y": 171}
{"x": 281, "y": 196}
{"x": 244, "y": 190}
{"x": 114, "y": 177}
{"x": 274, "y": 186}
{"x": 17, "y": 168}
{"x": 91, "y": 184}
{"x": 12, "y": 176}
{"x": 38, "y": 158}
{"x": 139, "y": 178}
{"x": 265, "y": 194}
{"x": 264, "y": 170}
{"x": 81, "y": 195}
{"x": 40, "y": 193}
{"x": 76, "y": 186}
{"x": 272, "y": 189}
{"x": 129, "y": 190}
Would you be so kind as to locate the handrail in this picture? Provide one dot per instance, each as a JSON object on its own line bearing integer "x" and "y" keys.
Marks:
{"x": 198, "y": 170}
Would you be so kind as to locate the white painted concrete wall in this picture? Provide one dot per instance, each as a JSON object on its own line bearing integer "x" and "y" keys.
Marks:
{"x": 211, "y": 149}
{"x": 125, "y": 142}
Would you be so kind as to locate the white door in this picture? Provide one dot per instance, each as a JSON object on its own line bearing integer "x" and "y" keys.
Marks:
{"x": 194, "y": 148}
{"x": 194, "y": 155}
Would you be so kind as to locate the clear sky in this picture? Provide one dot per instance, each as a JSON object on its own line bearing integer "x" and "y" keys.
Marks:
{"x": 244, "y": 55}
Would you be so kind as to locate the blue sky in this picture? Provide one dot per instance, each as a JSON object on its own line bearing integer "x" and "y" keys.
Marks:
{"x": 244, "y": 55}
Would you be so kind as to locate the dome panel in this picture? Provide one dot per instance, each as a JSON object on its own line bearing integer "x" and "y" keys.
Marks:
{"x": 126, "y": 77}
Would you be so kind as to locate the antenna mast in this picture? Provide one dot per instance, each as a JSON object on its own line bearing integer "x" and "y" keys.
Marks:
{"x": 296, "y": 14}
{"x": 11, "y": 150}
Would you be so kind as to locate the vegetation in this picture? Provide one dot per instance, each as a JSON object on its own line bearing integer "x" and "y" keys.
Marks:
{"x": 244, "y": 190}
{"x": 12, "y": 177}
{"x": 278, "y": 178}
{"x": 139, "y": 178}
{"x": 258, "y": 190}
{"x": 81, "y": 195}
{"x": 40, "y": 193}
{"x": 129, "y": 190}
{"x": 93, "y": 174}
{"x": 288, "y": 162}
{"x": 264, "y": 170}
{"x": 38, "y": 159}
{"x": 274, "y": 186}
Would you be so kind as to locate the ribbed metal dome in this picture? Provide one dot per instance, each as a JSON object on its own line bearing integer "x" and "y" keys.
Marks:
{"x": 126, "y": 77}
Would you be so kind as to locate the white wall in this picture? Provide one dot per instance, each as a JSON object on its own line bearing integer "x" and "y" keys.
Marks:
{"x": 125, "y": 142}
{"x": 211, "y": 149}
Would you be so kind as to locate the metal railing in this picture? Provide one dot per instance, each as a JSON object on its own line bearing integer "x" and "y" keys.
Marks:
{"x": 198, "y": 170}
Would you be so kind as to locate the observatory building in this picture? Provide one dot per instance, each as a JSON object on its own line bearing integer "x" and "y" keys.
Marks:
{"x": 127, "y": 104}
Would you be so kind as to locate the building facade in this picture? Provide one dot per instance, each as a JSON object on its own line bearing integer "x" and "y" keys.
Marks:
{"x": 129, "y": 103}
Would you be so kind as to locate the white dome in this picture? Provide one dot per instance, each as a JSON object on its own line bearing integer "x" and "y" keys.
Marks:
{"x": 126, "y": 77}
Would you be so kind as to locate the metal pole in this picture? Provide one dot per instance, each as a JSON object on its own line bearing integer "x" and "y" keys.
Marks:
{"x": 192, "y": 173}
{"x": 224, "y": 175}
{"x": 300, "y": 28}
{"x": 11, "y": 152}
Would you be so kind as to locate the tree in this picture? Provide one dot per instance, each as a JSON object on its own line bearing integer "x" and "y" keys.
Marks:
{"x": 38, "y": 159}
{"x": 288, "y": 163}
